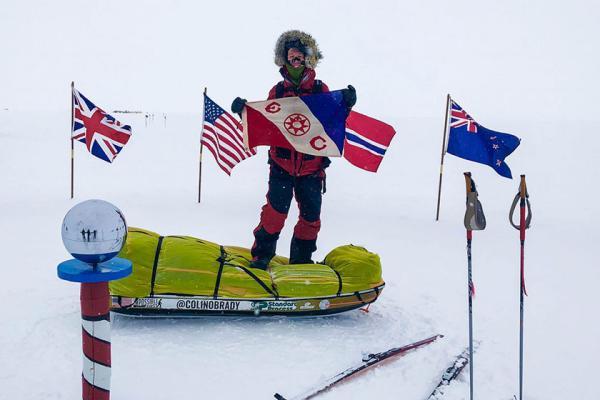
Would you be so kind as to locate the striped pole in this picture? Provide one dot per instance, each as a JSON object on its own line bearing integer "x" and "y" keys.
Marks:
{"x": 95, "y": 322}
{"x": 95, "y": 319}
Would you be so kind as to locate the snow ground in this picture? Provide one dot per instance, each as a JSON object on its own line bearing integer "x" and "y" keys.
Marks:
{"x": 538, "y": 81}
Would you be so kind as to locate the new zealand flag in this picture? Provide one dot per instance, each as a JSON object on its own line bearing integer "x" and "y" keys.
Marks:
{"x": 469, "y": 140}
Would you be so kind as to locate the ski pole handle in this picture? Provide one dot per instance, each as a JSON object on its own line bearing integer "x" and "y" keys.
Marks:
{"x": 474, "y": 218}
{"x": 523, "y": 189}
{"x": 522, "y": 197}
{"x": 468, "y": 182}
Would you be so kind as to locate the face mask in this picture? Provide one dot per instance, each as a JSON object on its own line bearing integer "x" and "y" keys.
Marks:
{"x": 295, "y": 58}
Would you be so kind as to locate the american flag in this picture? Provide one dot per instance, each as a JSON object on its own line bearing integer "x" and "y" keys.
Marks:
{"x": 222, "y": 135}
{"x": 103, "y": 135}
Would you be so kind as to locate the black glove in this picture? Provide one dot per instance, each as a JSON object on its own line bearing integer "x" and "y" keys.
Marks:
{"x": 238, "y": 105}
{"x": 349, "y": 96}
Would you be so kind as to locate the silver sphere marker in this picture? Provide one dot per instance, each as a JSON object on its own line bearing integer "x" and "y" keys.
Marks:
{"x": 94, "y": 231}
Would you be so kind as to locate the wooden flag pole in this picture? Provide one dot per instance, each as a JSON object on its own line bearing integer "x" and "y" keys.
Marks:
{"x": 201, "y": 148}
{"x": 437, "y": 214}
{"x": 71, "y": 136}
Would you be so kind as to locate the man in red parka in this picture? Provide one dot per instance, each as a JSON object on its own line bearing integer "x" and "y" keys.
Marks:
{"x": 293, "y": 173}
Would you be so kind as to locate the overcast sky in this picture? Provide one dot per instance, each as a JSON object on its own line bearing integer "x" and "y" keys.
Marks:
{"x": 512, "y": 59}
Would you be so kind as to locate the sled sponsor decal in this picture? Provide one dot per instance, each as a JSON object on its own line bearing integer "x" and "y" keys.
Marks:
{"x": 273, "y": 306}
{"x": 148, "y": 303}
{"x": 324, "y": 304}
{"x": 307, "y": 306}
{"x": 208, "y": 305}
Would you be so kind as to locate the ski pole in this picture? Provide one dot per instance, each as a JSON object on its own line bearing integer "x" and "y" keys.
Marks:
{"x": 522, "y": 197}
{"x": 474, "y": 220}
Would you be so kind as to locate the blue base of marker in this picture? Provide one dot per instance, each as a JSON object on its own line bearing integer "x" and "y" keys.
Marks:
{"x": 78, "y": 271}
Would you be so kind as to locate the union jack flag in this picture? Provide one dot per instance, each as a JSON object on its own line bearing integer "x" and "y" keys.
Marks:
{"x": 222, "y": 135}
{"x": 102, "y": 134}
{"x": 459, "y": 117}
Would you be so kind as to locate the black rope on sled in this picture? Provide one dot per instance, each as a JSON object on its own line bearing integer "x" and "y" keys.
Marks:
{"x": 377, "y": 292}
{"x": 154, "y": 267}
{"x": 339, "y": 277}
{"x": 261, "y": 283}
{"x": 221, "y": 261}
{"x": 357, "y": 294}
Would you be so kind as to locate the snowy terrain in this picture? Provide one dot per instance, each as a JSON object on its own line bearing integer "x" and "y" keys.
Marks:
{"x": 528, "y": 68}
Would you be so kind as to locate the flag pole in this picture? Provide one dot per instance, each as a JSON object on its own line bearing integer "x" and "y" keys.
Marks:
{"x": 71, "y": 137}
{"x": 437, "y": 214}
{"x": 201, "y": 148}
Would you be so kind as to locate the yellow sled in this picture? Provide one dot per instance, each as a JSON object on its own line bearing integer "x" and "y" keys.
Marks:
{"x": 182, "y": 275}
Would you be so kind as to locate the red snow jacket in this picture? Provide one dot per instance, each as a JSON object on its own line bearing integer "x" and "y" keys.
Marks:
{"x": 293, "y": 162}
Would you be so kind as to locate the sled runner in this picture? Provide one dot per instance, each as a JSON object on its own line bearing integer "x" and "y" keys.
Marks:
{"x": 186, "y": 276}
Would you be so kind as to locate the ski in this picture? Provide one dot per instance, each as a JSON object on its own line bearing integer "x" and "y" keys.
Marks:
{"x": 460, "y": 362}
{"x": 367, "y": 362}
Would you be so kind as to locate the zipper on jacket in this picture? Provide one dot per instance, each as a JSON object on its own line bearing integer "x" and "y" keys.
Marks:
{"x": 293, "y": 157}
{"x": 301, "y": 157}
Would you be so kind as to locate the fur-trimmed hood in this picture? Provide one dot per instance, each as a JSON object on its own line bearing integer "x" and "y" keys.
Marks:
{"x": 311, "y": 49}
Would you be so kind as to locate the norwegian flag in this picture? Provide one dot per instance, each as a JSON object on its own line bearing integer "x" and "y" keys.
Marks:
{"x": 222, "y": 135}
{"x": 102, "y": 134}
{"x": 367, "y": 140}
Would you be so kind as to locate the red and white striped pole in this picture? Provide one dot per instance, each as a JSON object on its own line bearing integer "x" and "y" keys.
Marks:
{"x": 95, "y": 332}
{"x": 95, "y": 320}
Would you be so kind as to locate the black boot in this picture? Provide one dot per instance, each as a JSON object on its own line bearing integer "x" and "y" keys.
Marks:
{"x": 260, "y": 263}
{"x": 263, "y": 249}
{"x": 301, "y": 251}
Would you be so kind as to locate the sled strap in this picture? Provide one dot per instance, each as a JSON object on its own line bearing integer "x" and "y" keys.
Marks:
{"x": 339, "y": 281}
{"x": 376, "y": 293}
{"x": 155, "y": 264}
{"x": 261, "y": 283}
{"x": 221, "y": 261}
